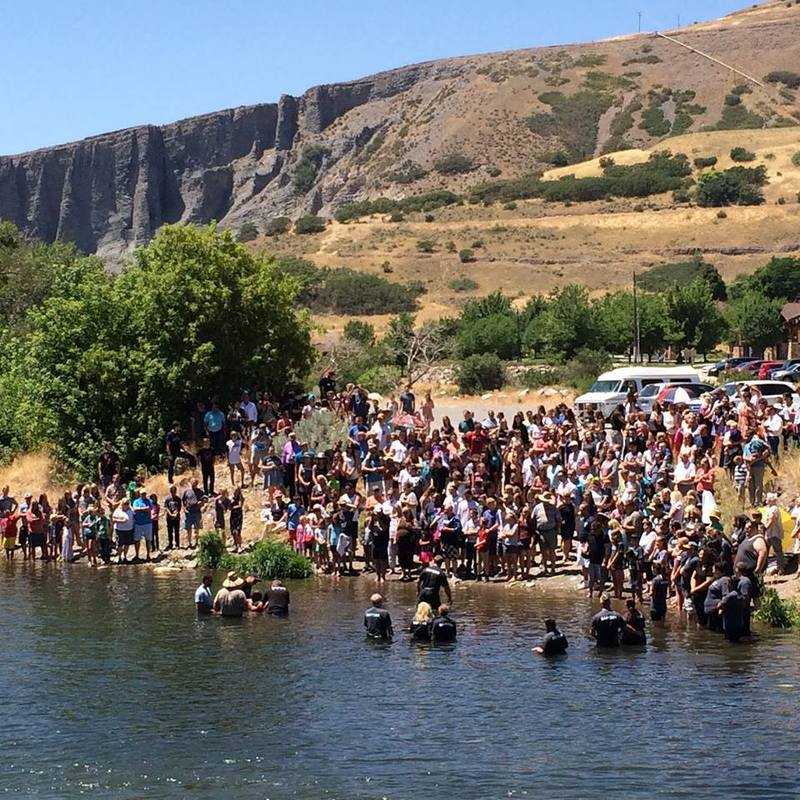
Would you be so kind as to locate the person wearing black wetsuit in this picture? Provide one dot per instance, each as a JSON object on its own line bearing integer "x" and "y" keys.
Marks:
{"x": 659, "y": 589}
{"x": 747, "y": 593}
{"x": 607, "y": 625}
{"x": 377, "y": 620}
{"x": 431, "y": 581}
{"x": 277, "y": 599}
{"x": 634, "y": 631}
{"x": 554, "y": 642}
{"x": 716, "y": 591}
{"x": 731, "y": 609}
{"x": 443, "y": 629}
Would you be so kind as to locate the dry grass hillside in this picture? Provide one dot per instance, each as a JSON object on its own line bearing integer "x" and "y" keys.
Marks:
{"x": 537, "y": 246}
{"x": 509, "y": 113}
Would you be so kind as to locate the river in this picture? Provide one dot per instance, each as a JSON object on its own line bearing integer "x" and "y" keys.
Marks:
{"x": 110, "y": 687}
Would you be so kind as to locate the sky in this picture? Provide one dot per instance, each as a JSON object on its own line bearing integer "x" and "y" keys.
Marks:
{"x": 75, "y": 69}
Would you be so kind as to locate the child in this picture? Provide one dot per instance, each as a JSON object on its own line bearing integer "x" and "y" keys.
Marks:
{"x": 425, "y": 548}
{"x": 740, "y": 475}
{"x": 321, "y": 544}
{"x": 310, "y": 536}
{"x": 8, "y": 531}
{"x": 334, "y": 531}
{"x": 297, "y": 537}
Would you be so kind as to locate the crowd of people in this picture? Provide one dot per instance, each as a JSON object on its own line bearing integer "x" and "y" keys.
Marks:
{"x": 629, "y": 501}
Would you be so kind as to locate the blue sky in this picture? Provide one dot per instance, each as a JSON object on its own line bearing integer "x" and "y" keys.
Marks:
{"x": 73, "y": 69}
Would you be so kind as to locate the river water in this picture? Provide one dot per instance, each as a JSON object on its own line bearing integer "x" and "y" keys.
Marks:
{"x": 111, "y": 687}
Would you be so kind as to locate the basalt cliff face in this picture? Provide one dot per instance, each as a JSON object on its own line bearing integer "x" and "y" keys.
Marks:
{"x": 113, "y": 191}
{"x": 506, "y": 114}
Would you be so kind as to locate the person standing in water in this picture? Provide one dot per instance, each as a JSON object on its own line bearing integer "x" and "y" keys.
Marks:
{"x": 607, "y": 625}
{"x": 431, "y": 581}
{"x": 377, "y": 620}
{"x": 554, "y": 642}
{"x": 634, "y": 631}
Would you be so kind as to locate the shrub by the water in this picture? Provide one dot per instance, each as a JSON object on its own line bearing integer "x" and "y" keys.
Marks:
{"x": 269, "y": 560}
{"x": 776, "y": 612}
{"x": 210, "y": 550}
{"x": 480, "y": 373}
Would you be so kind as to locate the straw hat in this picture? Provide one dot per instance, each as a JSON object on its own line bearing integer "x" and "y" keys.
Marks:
{"x": 232, "y": 581}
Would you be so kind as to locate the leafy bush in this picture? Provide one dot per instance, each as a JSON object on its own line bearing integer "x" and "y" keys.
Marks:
{"x": 788, "y": 79}
{"x": 453, "y": 163}
{"x": 776, "y": 612}
{"x": 425, "y": 246}
{"x": 742, "y": 88}
{"x": 736, "y": 118}
{"x": 309, "y": 224}
{"x": 407, "y": 172}
{"x": 737, "y": 185}
{"x": 510, "y": 206}
{"x": 397, "y": 216}
{"x": 358, "y": 331}
{"x": 210, "y": 550}
{"x": 383, "y": 379}
{"x": 277, "y": 225}
{"x": 742, "y": 154}
{"x": 480, "y": 373}
{"x": 463, "y": 284}
{"x": 647, "y": 59}
{"x": 429, "y": 201}
{"x": 654, "y": 121}
{"x": 590, "y": 60}
{"x": 796, "y": 159}
{"x": 732, "y": 100}
{"x": 574, "y": 119}
{"x": 681, "y": 196}
{"x": 493, "y": 171}
{"x": 662, "y": 172}
{"x": 466, "y": 256}
{"x": 270, "y": 560}
{"x": 557, "y": 158}
{"x": 345, "y": 291}
{"x": 662, "y": 276}
{"x": 705, "y": 161}
{"x": 497, "y": 334}
{"x": 247, "y": 232}
{"x": 305, "y": 172}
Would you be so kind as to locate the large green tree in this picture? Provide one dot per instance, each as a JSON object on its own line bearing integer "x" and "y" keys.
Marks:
{"x": 755, "y": 320}
{"x": 195, "y": 315}
{"x": 694, "y": 319}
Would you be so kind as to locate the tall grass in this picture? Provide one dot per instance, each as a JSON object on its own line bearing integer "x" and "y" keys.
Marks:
{"x": 776, "y": 612}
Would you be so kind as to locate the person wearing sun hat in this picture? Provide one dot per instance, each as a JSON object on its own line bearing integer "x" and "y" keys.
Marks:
{"x": 230, "y": 600}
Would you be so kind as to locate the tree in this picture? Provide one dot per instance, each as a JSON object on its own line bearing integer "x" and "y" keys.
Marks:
{"x": 755, "y": 320}
{"x": 567, "y": 324}
{"x": 357, "y": 331}
{"x": 694, "y": 320}
{"x": 497, "y": 333}
{"x": 778, "y": 279}
{"x": 194, "y": 316}
{"x": 416, "y": 350}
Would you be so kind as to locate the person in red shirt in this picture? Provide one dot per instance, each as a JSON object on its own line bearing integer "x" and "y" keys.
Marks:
{"x": 476, "y": 440}
{"x": 8, "y": 532}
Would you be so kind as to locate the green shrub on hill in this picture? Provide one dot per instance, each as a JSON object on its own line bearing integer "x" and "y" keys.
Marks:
{"x": 789, "y": 79}
{"x": 429, "y": 201}
{"x": 737, "y": 118}
{"x": 705, "y": 161}
{"x": 654, "y": 121}
{"x": 734, "y": 186}
{"x": 305, "y": 172}
{"x": 247, "y": 232}
{"x": 574, "y": 119}
{"x": 796, "y": 159}
{"x": 309, "y": 224}
{"x": 277, "y": 225}
{"x": 742, "y": 154}
{"x": 406, "y": 173}
{"x": 480, "y": 373}
{"x": 463, "y": 284}
{"x": 453, "y": 163}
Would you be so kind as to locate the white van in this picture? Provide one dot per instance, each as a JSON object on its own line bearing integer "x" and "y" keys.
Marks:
{"x": 611, "y": 388}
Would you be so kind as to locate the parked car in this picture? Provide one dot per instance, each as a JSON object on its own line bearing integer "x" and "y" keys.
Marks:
{"x": 790, "y": 373}
{"x": 667, "y": 393}
{"x": 768, "y": 389}
{"x": 767, "y": 367}
{"x": 727, "y": 364}
{"x": 611, "y": 388}
{"x": 752, "y": 366}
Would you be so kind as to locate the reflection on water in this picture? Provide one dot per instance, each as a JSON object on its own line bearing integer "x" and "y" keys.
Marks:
{"x": 111, "y": 687}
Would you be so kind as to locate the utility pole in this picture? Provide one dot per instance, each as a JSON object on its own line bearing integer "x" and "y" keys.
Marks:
{"x": 637, "y": 339}
{"x": 640, "y": 20}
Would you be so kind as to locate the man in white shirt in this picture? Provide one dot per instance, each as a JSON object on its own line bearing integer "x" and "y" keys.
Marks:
{"x": 249, "y": 411}
{"x": 202, "y": 596}
{"x": 397, "y": 450}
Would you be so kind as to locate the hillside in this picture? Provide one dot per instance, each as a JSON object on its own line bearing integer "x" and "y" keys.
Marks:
{"x": 442, "y": 124}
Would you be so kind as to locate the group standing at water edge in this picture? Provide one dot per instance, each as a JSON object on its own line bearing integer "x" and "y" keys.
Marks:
{"x": 629, "y": 500}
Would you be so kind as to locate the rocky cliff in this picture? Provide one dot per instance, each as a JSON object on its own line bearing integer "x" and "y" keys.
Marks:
{"x": 506, "y": 112}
